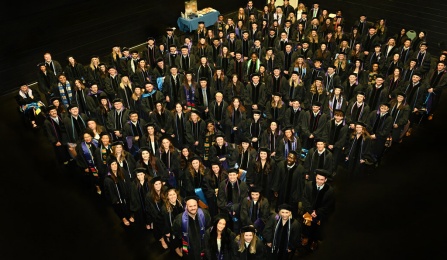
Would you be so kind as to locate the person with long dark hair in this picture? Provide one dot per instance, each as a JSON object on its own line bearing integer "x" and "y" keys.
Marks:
{"x": 180, "y": 117}
{"x": 154, "y": 201}
{"x": 195, "y": 180}
{"x": 219, "y": 240}
{"x": 140, "y": 190}
{"x": 116, "y": 191}
{"x": 170, "y": 158}
{"x": 262, "y": 176}
{"x": 271, "y": 138}
{"x": 211, "y": 186}
{"x": 152, "y": 164}
{"x": 85, "y": 159}
{"x": 235, "y": 117}
{"x": 172, "y": 207}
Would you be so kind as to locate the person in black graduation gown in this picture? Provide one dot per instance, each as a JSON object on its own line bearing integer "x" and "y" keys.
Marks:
{"x": 357, "y": 150}
{"x": 255, "y": 210}
{"x": 134, "y": 133}
{"x": 116, "y": 119}
{"x": 288, "y": 143}
{"x": 154, "y": 201}
{"x": 140, "y": 190}
{"x": 262, "y": 175}
{"x": 271, "y": 137}
{"x": 230, "y": 195}
{"x": 318, "y": 157}
{"x": 219, "y": 240}
{"x": 289, "y": 182}
{"x": 248, "y": 246}
{"x": 57, "y": 134}
{"x": 335, "y": 135}
{"x": 400, "y": 111}
{"x": 380, "y": 123}
{"x": 246, "y": 157}
{"x": 170, "y": 158}
{"x": 312, "y": 125}
{"x": 223, "y": 152}
{"x": 124, "y": 159}
{"x": 116, "y": 191}
{"x": 190, "y": 226}
{"x": 319, "y": 203}
{"x": 211, "y": 186}
{"x": 162, "y": 119}
{"x": 172, "y": 207}
{"x": 254, "y": 127}
{"x": 282, "y": 234}
{"x": 195, "y": 127}
{"x": 152, "y": 164}
{"x": 85, "y": 159}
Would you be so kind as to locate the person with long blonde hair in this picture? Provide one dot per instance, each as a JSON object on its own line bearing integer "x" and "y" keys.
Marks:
{"x": 316, "y": 93}
{"x": 249, "y": 245}
{"x": 173, "y": 205}
{"x": 358, "y": 150}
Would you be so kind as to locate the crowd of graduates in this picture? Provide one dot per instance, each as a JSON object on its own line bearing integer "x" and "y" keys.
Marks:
{"x": 226, "y": 143}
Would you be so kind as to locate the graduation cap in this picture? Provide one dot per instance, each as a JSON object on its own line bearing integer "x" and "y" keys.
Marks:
{"x": 401, "y": 94}
{"x": 155, "y": 179}
{"x": 339, "y": 111}
{"x": 40, "y": 64}
{"x": 145, "y": 148}
{"x": 323, "y": 172}
{"x": 385, "y": 104}
{"x": 319, "y": 78}
{"x": 377, "y": 45}
{"x": 201, "y": 22}
{"x": 220, "y": 134}
{"x": 360, "y": 123}
{"x": 264, "y": 149}
{"x": 269, "y": 49}
{"x": 340, "y": 87}
{"x": 285, "y": 206}
{"x": 294, "y": 153}
{"x": 112, "y": 67}
{"x": 195, "y": 111}
{"x": 245, "y": 139}
{"x": 149, "y": 124}
{"x": 103, "y": 134}
{"x": 117, "y": 143}
{"x": 159, "y": 60}
{"x": 138, "y": 170}
{"x": 54, "y": 98}
{"x": 317, "y": 104}
{"x": 248, "y": 229}
{"x": 110, "y": 160}
{"x": 295, "y": 72}
{"x": 331, "y": 66}
{"x": 417, "y": 73}
{"x": 245, "y": 31}
{"x": 272, "y": 29}
{"x": 195, "y": 157}
{"x": 102, "y": 64}
{"x": 203, "y": 79}
{"x": 232, "y": 170}
{"x": 287, "y": 127}
{"x": 381, "y": 76}
{"x": 169, "y": 29}
{"x": 124, "y": 49}
{"x": 278, "y": 94}
{"x": 72, "y": 105}
{"x": 255, "y": 188}
{"x": 95, "y": 57}
{"x": 134, "y": 51}
{"x": 51, "y": 107}
{"x": 361, "y": 93}
{"x": 193, "y": 197}
{"x": 150, "y": 38}
{"x": 256, "y": 111}
{"x": 255, "y": 75}
{"x": 116, "y": 100}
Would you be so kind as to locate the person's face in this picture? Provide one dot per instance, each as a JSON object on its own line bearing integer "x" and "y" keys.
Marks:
{"x": 185, "y": 152}
{"x": 375, "y": 67}
{"x": 256, "y": 117}
{"x": 238, "y": 56}
{"x": 379, "y": 81}
{"x": 338, "y": 117}
{"x": 341, "y": 56}
{"x": 245, "y": 145}
{"x": 295, "y": 104}
{"x": 317, "y": 64}
{"x": 91, "y": 124}
{"x": 185, "y": 51}
{"x": 221, "y": 224}
{"x": 219, "y": 97}
{"x": 248, "y": 237}
{"x": 118, "y": 148}
{"x": 165, "y": 143}
{"x": 255, "y": 195}
{"x": 104, "y": 101}
{"x": 273, "y": 126}
{"x": 145, "y": 155}
{"x": 195, "y": 164}
{"x": 377, "y": 49}
{"x": 300, "y": 27}
{"x": 421, "y": 35}
{"x": 158, "y": 106}
{"x": 232, "y": 176}
{"x": 283, "y": 35}
{"x": 215, "y": 168}
{"x": 172, "y": 49}
{"x": 323, "y": 47}
{"x": 53, "y": 112}
{"x": 337, "y": 91}
{"x": 56, "y": 103}
{"x": 203, "y": 83}
{"x": 396, "y": 72}
{"x": 133, "y": 117}
{"x": 255, "y": 79}
{"x": 236, "y": 102}
{"x": 87, "y": 138}
{"x": 285, "y": 214}
{"x": 47, "y": 57}
{"x": 118, "y": 105}
{"x": 362, "y": 18}
{"x": 352, "y": 78}
{"x": 391, "y": 42}
{"x": 276, "y": 72}
{"x": 74, "y": 111}
{"x": 157, "y": 185}
{"x": 358, "y": 129}
{"x": 114, "y": 166}
{"x": 291, "y": 158}
{"x": 194, "y": 117}
{"x": 288, "y": 133}
{"x": 441, "y": 66}
{"x": 315, "y": 109}
{"x": 320, "y": 179}
{"x": 172, "y": 196}
{"x": 422, "y": 48}
{"x": 105, "y": 139}
{"x": 150, "y": 130}
{"x": 254, "y": 57}
{"x": 210, "y": 127}
{"x": 320, "y": 146}
{"x": 24, "y": 88}
{"x": 318, "y": 83}
{"x": 140, "y": 176}
{"x": 62, "y": 79}
{"x": 415, "y": 78}
{"x": 360, "y": 98}
{"x": 412, "y": 63}
{"x": 400, "y": 98}
{"x": 220, "y": 141}
{"x": 191, "y": 207}
{"x": 372, "y": 31}
{"x": 384, "y": 109}
{"x": 330, "y": 70}
{"x": 276, "y": 98}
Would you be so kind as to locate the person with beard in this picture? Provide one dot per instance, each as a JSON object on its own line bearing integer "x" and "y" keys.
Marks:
{"x": 288, "y": 182}
{"x": 230, "y": 195}
{"x": 191, "y": 226}
{"x": 282, "y": 233}
{"x": 318, "y": 204}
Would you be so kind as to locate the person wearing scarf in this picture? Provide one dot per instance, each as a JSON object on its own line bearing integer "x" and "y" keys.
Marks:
{"x": 230, "y": 195}
{"x": 357, "y": 110}
{"x": 282, "y": 234}
{"x": 85, "y": 158}
{"x": 63, "y": 89}
{"x": 134, "y": 133}
{"x": 101, "y": 154}
{"x": 288, "y": 143}
{"x": 190, "y": 226}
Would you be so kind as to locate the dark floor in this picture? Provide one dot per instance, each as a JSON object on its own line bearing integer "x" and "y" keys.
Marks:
{"x": 47, "y": 213}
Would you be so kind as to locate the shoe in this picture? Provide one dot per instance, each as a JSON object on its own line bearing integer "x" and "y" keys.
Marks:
{"x": 430, "y": 117}
{"x": 314, "y": 246}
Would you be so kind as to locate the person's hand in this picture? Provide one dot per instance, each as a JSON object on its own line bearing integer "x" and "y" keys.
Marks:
{"x": 288, "y": 250}
{"x": 137, "y": 138}
{"x": 269, "y": 244}
{"x": 167, "y": 99}
{"x": 86, "y": 169}
{"x": 196, "y": 143}
{"x": 373, "y": 136}
{"x": 148, "y": 226}
{"x": 366, "y": 53}
{"x": 254, "y": 139}
{"x": 286, "y": 72}
{"x": 173, "y": 135}
{"x": 362, "y": 161}
{"x": 235, "y": 128}
{"x": 163, "y": 131}
{"x": 254, "y": 106}
{"x": 168, "y": 235}
{"x": 307, "y": 176}
{"x": 330, "y": 146}
{"x": 222, "y": 159}
{"x": 347, "y": 158}
{"x": 58, "y": 144}
{"x": 415, "y": 110}
{"x": 273, "y": 154}
{"x": 314, "y": 215}
{"x": 395, "y": 126}
{"x": 311, "y": 136}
